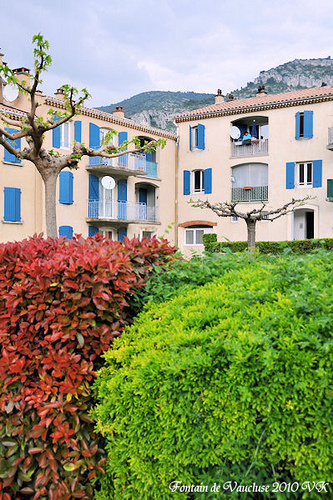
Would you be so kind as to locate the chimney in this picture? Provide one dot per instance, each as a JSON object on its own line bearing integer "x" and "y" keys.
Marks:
{"x": 219, "y": 98}
{"x": 59, "y": 94}
{"x": 22, "y": 74}
{"x": 231, "y": 97}
{"x": 119, "y": 111}
{"x": 261, "y": 90}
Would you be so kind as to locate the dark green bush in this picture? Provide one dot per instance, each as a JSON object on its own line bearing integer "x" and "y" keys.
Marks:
{"x": 228, "y": 382}
{"x": 275, "y": 247}
{"x": 180, "y": 276}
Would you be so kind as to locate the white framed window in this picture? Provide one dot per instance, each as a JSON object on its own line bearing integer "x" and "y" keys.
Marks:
{"x": 304, "y": 172}
{"x": 65, "y": 135}
{"x": 107, "y": 161}
{"x": 106, "y": 208}
{"x": 147, "y": 234}
{"x": 194, "y": 137}
{"x": 234, "y": 218}
{"x": 107, "y": 233}
{"x": 198, "y": 181}
{"x": 193, "y": 235}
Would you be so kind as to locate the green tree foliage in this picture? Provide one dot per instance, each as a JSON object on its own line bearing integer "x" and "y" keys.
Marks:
{"x": 231, "y": 381}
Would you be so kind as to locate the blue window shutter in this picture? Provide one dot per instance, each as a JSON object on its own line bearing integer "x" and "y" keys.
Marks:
{"x": 66, "y": 231}
{"x": 56, "y": 134}
{"x": 149, "y": 156}
{"x": 94, "y": 136}
{"x": 92, "y": 230}
{"x": 317, "y": 173}
{"x": 201, "y": 136}
{"x": 94, "y": 143}
{"x": 122, "y": 232}
{"x": 297, "y": 125}
{"x": 290, "y": 175}
{"x": 78, "y": 131}
{"x": 308, "y": 124}
{"x": 187, "y": 182}
{"x": 15, "y": 144}
{"x": 208, "y": 181}
{"x": 93, "y": 203}
{"x": 12, "y": 208}
{"x": 66, "y": 187}
{"x": 190, "y": 137}
{"x": 122, "y": 136}
{"x": 93, "y": 187}
{"x": 122, "y": 199}
{"x": 143, "y": 195}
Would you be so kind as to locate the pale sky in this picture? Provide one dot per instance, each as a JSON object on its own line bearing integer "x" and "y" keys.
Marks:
{"x": 119, "y": 48}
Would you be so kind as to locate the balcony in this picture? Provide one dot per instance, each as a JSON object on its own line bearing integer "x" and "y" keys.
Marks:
{"x": 259, "y": 147}
{"x": 120, "y": 211}
{"x": 330, "y": 139}
{"x": 248, "y": 194}
{"x": 131, "y": 164}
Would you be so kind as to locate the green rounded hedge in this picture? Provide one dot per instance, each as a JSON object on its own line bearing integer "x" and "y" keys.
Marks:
{"x": 228, "y": 382}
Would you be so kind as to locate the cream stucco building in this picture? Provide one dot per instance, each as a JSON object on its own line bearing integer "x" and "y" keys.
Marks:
{"x": 141, "y": 203}
{"x": 289, "y": 156}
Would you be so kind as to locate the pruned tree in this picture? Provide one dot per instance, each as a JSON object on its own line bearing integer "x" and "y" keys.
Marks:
{"x": 33, "y": 128}
{"x": 229, "y": 209}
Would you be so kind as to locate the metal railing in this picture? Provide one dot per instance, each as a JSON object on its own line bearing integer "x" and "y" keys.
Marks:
{"x": 238, "y": 149}
{"x": 121, "y": 210}
{"x": 256, "y": 193}
{"x": 128, "y": 162}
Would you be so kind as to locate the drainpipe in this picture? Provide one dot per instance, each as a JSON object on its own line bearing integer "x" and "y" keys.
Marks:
{"x": 176, "y": 185}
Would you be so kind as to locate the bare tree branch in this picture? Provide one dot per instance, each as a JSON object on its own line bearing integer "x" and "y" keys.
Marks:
{"x": 228, "y": 209}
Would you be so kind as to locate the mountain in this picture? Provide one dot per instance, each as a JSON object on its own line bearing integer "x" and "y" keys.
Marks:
{"x": 159, "y": 108}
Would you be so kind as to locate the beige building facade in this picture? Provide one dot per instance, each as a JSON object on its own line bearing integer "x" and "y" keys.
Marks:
{"x": 289, "y": 155}
{"x": 129, "y": 196}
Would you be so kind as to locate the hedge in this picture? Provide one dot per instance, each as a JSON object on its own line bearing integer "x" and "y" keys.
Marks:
{"x": 228, "y": 382}
{"x": 61, "y": 304}
{"x": 275, "y": 247}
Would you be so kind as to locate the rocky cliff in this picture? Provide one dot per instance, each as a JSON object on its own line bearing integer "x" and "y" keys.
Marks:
{"x": 159, "y": 109}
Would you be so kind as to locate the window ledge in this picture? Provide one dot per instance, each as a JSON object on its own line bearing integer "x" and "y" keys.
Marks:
{"x": 19, "y": 222}
{"x": 12, "y": 163}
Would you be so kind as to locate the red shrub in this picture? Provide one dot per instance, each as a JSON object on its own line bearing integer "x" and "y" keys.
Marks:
{"x": 61, "y": 303}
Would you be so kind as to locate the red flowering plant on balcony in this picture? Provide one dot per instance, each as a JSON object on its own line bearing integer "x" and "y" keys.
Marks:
{"x": 61, "y": 304}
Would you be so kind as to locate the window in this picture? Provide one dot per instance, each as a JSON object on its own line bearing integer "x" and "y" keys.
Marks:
{"x": 234, "y": 218}
{"x": 61, "y": 137}
{"x": 193, "y": 234}
{"x": 12, "y": 202}
{"x": 194, "y": 137}
{"x": 250, "y": 182}
{"x": 8, "y": 157}
{"x": 65, "y": 135}
{"x": 198, "y": 181}
{"x": 107, "y": 233}
{"x": 201, "y": 181}
{"x": 147, "y": 234}
{"x": 197, "y": 137}
{"x": 304, "y": 174}
{"x": 304, "y": 125}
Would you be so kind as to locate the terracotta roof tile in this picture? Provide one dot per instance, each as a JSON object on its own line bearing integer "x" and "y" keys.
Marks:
{"x": 295, "y": 96}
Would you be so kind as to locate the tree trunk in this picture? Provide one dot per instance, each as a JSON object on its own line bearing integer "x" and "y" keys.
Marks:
{"x": 50, "y": 183}
{"x": 251, "y": 234}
